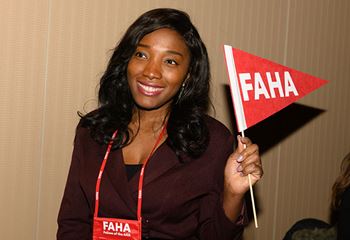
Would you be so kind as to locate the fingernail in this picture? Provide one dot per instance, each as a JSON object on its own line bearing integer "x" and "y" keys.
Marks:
{"x": 239, "y": 168}
{"x": 240, "y": 158}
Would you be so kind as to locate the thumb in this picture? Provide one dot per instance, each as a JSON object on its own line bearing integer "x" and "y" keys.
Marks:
{"x": 240, "y": 146}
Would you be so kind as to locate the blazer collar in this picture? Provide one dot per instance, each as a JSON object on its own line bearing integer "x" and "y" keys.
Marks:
{"x": 116, "y": 173}
{"x": 163, "y": 159}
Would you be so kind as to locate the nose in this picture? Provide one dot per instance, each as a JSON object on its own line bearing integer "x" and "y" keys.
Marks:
{"x": 152, "y": 70}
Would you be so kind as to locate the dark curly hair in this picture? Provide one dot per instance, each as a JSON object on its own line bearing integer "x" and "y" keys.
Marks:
{"x": 186, "y": 129}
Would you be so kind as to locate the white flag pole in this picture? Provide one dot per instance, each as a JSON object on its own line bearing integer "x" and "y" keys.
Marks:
{"x": 251, "y": 193}
{"x": 238, "y": 107}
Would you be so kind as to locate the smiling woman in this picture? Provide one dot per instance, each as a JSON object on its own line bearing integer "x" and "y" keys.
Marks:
{"x": 158, "y": 69}
{"x": 168, "y": 170}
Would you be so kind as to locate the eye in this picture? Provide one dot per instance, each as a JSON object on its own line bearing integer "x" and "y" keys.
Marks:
{"x": 171, "y": 62}
{"x": 140, "y": 55}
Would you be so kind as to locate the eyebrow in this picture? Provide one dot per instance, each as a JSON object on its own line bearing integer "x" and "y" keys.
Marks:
{"x": 168, "y": 51}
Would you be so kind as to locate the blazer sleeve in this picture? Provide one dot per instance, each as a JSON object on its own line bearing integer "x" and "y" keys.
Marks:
{"x": 214, "y": 224}
{"x": 75, "y": 215}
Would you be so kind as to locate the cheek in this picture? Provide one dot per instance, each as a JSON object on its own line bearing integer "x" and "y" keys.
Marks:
{"x": 133, "y": 68}
{"x": 131, "y": 73}
{"x": 177, "y": 79}
{"x": 129, "y": 70}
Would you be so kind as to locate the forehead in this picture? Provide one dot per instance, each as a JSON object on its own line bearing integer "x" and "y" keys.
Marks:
{"x": 165, "y": 39}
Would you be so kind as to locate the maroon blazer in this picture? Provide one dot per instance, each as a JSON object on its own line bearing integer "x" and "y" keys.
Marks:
{"x": 181, "y": 200}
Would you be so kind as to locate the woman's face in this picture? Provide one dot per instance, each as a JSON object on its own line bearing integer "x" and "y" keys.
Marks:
{"x": 158, "y": 68}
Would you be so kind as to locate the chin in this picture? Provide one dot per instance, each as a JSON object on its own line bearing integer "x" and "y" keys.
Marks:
{"x": 153, "y": 106}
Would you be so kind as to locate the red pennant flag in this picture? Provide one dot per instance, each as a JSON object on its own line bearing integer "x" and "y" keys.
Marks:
{"x": 260, "y": 87}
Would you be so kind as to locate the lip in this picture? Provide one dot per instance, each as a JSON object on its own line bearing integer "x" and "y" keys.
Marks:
{"x": 149, "y": 89}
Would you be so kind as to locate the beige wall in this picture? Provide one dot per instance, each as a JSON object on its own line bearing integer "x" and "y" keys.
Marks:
{"x": 52, "y": 53}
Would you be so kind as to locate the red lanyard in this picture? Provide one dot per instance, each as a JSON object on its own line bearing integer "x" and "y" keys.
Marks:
{"x": 139, "y": 197}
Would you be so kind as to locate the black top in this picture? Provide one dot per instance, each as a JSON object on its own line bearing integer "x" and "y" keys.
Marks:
{"x": 132, "y": 169}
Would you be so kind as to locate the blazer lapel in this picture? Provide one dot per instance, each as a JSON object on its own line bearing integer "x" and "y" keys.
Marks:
{"x": 115, "y": 170}
{"x": 163, "y": 159}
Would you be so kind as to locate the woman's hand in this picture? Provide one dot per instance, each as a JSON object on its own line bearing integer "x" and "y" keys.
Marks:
{"x": 245, "y": 160}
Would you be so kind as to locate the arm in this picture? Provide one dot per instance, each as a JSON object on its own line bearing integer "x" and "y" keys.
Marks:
{"x": 75, "y": 217}
{"x": 215, "y": 223}
{"x": 219, "y": 226}
{"x": 245, "y": 160}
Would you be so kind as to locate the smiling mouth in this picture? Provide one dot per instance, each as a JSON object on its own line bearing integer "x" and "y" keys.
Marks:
{"x": 149, "y": 90}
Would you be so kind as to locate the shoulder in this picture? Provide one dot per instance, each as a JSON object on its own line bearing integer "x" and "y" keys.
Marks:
{"x": 86, "y": 149}
{"x": 220, "y": 146}
{"x": 216, "y": 128}
{"x": 81, "y": 131}
{"x": 88, "y": 122}
{"x": 83, "y": 136}
{"x": 220, "y": 137}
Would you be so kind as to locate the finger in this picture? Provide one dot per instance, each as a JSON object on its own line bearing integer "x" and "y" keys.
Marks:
{"x": 241, "y": 145}
{"x": 244, "y": 140}
{"x": 240, "y": 148}
{"x": 250, "y": 160}
{"x": 253, "y": 169}
{"x": 250, "y": 150}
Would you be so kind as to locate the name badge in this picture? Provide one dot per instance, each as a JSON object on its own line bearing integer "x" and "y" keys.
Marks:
{"x": 116, "y": 229}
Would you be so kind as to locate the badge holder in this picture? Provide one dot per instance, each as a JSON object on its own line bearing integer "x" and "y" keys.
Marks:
{"x": 114, "y": 228}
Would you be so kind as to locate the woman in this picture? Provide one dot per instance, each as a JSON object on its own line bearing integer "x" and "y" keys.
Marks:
{"x": 165, "y": 164}
{"x": 340, "y": 206}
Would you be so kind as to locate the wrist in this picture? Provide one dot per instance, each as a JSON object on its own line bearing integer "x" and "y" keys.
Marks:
{"x": 232, "y": 196}
{"x": 232, "y": 204}
{"x": 233, "y": 191}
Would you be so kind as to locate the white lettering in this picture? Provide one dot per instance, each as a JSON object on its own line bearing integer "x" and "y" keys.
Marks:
{"x": 105, "y": 225}
{"x": 110, "y": 227}
{"x": 115, "y": 227}
{"x": 274, "y": 84}
{"x": 127, "y": 228}
{"x": 259, "y": 87}
{"x": 244, "y": 77}
{"x": 289, "y": 84}
{"x": 118, "y": 227}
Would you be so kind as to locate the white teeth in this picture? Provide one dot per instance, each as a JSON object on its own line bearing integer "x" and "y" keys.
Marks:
{"x": 149, "y": 88}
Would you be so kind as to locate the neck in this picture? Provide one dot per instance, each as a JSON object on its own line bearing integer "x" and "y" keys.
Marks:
{"x": 149, "y": 119}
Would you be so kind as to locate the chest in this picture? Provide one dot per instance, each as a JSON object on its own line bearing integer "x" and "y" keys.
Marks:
{"x": 142, "y": 146}
{"x": 169, "y": 186}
